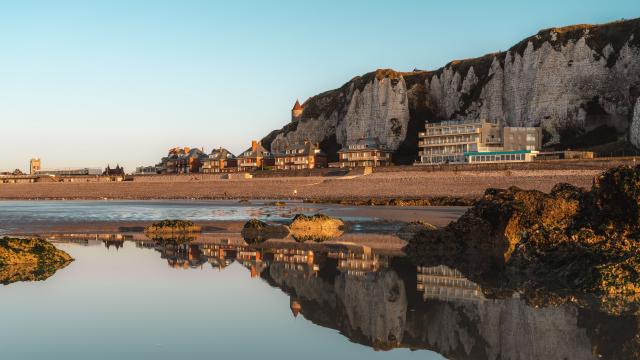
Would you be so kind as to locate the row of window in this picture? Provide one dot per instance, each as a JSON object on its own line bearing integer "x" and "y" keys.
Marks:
{"x": 493, "y": 158}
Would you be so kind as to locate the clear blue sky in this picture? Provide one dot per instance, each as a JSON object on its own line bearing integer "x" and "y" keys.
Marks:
{"x": 86, "y": 83}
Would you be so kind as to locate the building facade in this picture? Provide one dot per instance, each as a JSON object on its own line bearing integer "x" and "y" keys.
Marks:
{"x": 34, "y": 166}
{"x": 300, "y": 157}
{"x": 182, "y": 161}
{"x": 255, "y": 158}
{"x": 365, "y": 152}
{"x": 219, "y": 161}
{"x": 478, "y": 140}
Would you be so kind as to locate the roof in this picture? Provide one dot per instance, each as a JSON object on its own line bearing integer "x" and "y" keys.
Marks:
{"x": 249, "y": 153}
{"x": 306, "y": 148}
{"x": 363, "y": 144}
{"x": 221, "y": 153}
{"x": 297, "y": 106}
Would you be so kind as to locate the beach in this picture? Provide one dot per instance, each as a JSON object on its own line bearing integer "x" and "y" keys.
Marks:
{"x": 380, "y": 185}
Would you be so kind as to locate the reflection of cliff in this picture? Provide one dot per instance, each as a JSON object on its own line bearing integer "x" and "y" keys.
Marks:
{"x": 437, "y": 309}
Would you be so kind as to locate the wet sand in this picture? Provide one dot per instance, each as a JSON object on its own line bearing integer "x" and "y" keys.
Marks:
{"x": 401, "y": 184}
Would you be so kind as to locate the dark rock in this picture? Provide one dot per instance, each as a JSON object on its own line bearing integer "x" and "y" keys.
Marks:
{"x": 256, "y": 231}
{"x": 573, "y": 239}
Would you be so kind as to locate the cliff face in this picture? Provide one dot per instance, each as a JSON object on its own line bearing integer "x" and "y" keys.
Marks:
{"x": 581, "y": 84}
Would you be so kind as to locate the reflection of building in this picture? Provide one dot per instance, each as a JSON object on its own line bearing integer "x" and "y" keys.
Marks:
{"x": 181, "y": 255}
{"x": 477, "y": 141}
{"x": 365, "y": 152}
{"x": 295, "y": 307}
{"x": 357, "y": 263}
{"x": 444, "y": 283}
{"x": 298, "y": 260}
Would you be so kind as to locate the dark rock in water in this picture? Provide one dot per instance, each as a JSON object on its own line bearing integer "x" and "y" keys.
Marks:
{"x": 316, "y": 228}
{"x": 29, "y": 260}
{"x": 570, "y": 239}
{"x": 411, "y": 229}
{"x": 256, "y": 231}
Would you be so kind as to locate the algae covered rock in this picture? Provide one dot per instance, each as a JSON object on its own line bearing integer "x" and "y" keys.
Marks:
{"x": 29, "y": 260}
{"x": 317, "y": 227}
{"x": 172, "y": 226}
{"x": 256, "y": 231}
{"x": 585, "y": 241}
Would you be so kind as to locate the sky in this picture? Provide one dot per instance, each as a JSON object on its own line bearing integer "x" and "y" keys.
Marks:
{"x": 90, "y": 83}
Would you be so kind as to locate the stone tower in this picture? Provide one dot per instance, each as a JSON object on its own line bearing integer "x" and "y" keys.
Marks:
{"x": 34, "y": 166}
{"x": 296, "y": 112}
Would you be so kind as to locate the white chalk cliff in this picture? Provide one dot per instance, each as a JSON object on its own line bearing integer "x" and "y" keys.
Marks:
{"x": 580, "y": 83}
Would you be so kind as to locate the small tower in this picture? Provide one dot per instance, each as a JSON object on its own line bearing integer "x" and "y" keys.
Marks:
{"x": 296, "y": 112}
{"x": 34, "y": 166}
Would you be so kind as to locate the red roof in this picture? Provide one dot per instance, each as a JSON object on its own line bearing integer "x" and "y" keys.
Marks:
{"x": 297, "y": 106}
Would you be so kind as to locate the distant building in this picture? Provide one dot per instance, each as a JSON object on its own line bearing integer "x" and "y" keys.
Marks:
{"x": 477, "y": 141}
{"x": 296, "y": 112}
{"x": 182, "y": 161}
{"x": 299, "y": 157}
{"x": 34, "y": 166}
{"x": 71, "y": 172}
{"x": 565, "y": 155}
{"x": 146, "y": 170}
{"x": 365, "y": 152}
{"x": 117, "y": 171}
{"x": 255, "y": 158}
{"x": 219, "y": 161}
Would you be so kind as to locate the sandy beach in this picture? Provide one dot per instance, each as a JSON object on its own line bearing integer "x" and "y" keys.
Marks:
{"x": 388, "y": 184}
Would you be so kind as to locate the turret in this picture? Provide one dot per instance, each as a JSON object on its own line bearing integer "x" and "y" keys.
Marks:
{"x": 296, "y": 112}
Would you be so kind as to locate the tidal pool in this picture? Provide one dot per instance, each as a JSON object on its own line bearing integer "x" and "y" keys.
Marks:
{"x": 223, "y": 299}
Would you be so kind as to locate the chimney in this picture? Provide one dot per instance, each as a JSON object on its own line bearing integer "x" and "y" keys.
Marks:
{"x": 254, "y": 145}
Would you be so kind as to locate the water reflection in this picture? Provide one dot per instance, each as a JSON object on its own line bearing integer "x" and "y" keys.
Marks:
{"x": 385, "y": 302}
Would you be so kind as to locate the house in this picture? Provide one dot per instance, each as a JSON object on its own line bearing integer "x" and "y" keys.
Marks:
{"x": 146, "y": 170}
{"x": 113, "y": 172}
{"x": 182, "y": 161}
{"x": 219, "y": 161}
{"x": 255, "y": 158}
{"x": 364, "y": 152}
{"x": 462, "y": 141}
{"x": 300, "y": 157}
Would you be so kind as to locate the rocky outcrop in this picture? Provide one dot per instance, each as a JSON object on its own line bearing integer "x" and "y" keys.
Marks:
{"x": 172, "y": 227}
{"x": 585, "y": 241}
{"x": 29, "y": 260}
{"x": 579, "y": 83}
{"x": 256, "y": 231}
{"x": 316, "y": 228}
